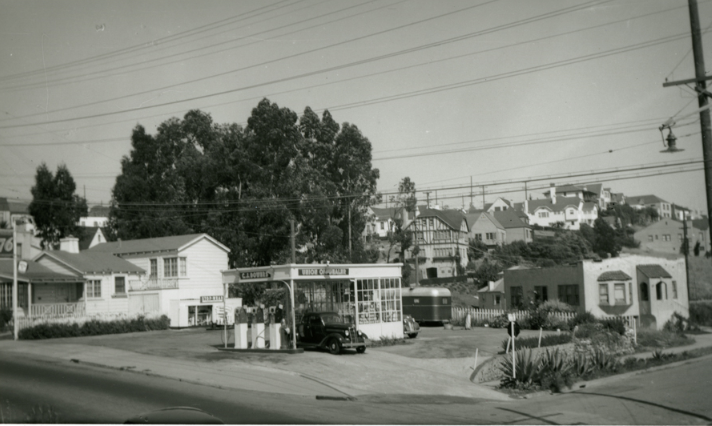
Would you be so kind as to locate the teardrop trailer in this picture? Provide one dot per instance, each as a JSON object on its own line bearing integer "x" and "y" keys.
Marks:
{"x": 360, "y": 301}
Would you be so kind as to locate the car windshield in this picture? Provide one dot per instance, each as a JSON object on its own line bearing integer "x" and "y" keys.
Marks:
{"x": 332, "y": 319}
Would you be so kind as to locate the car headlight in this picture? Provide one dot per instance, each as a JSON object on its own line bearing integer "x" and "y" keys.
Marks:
{"x": 346, "y": 333}
{"x": 358, "y": 332}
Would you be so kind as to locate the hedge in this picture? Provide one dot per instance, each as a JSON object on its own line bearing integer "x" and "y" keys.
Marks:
{"x": 93, "y": 328}
{"x": 701, "y": 312}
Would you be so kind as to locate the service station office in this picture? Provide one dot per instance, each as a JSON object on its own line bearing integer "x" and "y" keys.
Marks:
{"x": 368, "y": 295}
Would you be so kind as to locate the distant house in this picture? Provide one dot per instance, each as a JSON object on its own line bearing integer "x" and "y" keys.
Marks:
{"x": 556, "y": 211}
{"x": 589, "y": 192}
{"x": 500, "y": 204}
{"x": 91, "y": 236}
{"x": 515, "y": 226}
{"x": 98, "y": 216}
{"x": 441, "y": 236}
{"x": 680, "y": 212}
{"x": 640, "y": 202}
{"x": 492, "y": 296}
{"x": 617, "y": 199}
{"x": 382, "y": 221}
{"x": 702, "y": 229}
{"x": 11, "y": 210}
{"x": 666, "y": 236}
{"x": 485, "y": 228}
{"x": 651, "y": 289}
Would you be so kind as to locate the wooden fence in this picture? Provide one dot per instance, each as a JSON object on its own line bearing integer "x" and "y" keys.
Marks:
{"x": 459, "y": 313}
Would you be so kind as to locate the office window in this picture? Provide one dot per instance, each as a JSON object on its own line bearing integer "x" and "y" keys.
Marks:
{"x": 183, "y": 266}
{"x": 119, "y": 285}
{"x": 674, "y": 289}
{"x": 93, "y": 288}
{"x": 619, "y": 293}
{"x": 603, "y": 294}
{"x": 569, "y": 293}
{"x": 154, "y": 268}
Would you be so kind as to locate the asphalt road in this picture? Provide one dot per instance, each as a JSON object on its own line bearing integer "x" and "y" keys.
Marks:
{"x": 76, "y": 393}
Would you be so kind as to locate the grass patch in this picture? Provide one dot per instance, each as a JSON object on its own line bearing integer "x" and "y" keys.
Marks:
{"x": 93, "y": 328}
{"x": 389, "y": 341}
{"x": 37, "y": 414}
{"x": 660, "y": 339}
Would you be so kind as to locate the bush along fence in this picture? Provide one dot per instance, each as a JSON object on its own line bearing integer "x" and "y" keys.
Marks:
{"x": 526, "y": 319}
{"x": 75, "y": 327}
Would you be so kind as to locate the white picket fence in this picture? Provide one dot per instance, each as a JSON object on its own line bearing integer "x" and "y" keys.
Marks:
{"x": 459, "y": 313}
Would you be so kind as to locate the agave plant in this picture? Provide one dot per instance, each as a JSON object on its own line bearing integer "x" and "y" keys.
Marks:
{"x": 527, "y": 369}
{"x": 604, "y": 361}
{"x": 582, "y": 365}
{"x": 556, "y": 371}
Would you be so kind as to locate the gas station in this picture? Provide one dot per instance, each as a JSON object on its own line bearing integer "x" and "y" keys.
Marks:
{"x": 367, "y": 295}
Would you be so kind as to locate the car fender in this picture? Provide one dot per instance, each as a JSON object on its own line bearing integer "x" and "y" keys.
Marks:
{"x": 328, "y": 337}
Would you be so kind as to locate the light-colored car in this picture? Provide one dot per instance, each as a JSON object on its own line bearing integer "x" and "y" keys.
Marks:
{"x": 410, "y": 327}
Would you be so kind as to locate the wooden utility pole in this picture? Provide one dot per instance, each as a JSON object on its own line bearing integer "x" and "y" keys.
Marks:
{"x": 701, "y": 88}
{"x": 471, "y": 196}
{"x": 483, "y": 197}
{"x": 686, "y": 251}
{"x": 294, "y": 251}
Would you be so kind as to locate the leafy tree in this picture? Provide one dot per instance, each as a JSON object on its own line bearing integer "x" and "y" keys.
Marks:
{"x": 401, "y": 237}
{"x": 476, "y": 249}
{"x": 487, "y": 271}
{"x": 607, "y": 241}
{"x": 55, "y": 206}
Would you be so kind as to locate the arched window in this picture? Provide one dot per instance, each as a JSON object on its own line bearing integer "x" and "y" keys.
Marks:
{"x": 661, "y": 290}
{"x": 644, "y": 292}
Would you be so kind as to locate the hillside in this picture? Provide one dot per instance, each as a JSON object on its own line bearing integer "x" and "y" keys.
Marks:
{"x": 700, "y": 269}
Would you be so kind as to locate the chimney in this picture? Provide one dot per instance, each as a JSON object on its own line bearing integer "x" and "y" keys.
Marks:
{"x": 490, "y": 284}
{"x": 552, "y": 191}
{"x": 526, "y": 206}
{"x": 69, "y": 244}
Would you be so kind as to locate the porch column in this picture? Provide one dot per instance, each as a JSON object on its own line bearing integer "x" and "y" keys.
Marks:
{"x": 84, "y": 295}
{"x": 355, "y": 299}
{"x": 29, "y": 298}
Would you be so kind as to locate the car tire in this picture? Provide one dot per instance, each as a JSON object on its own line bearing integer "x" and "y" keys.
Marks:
{"x": 334, "y": 347}
{"x": 361, "y": 349}
{"x": 413, "y": 335}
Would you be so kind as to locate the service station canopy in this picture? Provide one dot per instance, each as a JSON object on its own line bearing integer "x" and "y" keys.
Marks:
{"x": 311, "y": 272}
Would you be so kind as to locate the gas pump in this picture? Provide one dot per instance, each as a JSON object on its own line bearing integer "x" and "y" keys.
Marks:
{"x": 275, "y": 341}
{"x": 258, "y": 329}
{"x": 241, "y": 328}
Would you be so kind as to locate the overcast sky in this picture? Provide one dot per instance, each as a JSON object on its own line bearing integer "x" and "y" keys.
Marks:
{"x": 446, "y": 91}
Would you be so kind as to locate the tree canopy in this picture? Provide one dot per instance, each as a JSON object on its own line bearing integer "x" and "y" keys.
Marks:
{"x": 244, "y": 185}
{"x": 55, "y": 207}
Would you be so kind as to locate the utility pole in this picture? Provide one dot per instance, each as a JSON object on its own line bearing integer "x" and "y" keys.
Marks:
{"x": 483, "y": 197}
{"x": 15, "y": 305}
{"x": 686, "y": 251}
{"x": 427, "y": 198}
{"x": 294, "y": 251}
{"x": 701, "y": 89}
{"x": 525, "y": 190}
{"x": 471, "y": 199}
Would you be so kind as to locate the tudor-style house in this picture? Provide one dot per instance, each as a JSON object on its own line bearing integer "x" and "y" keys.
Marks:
{"x": 441, "y": 236}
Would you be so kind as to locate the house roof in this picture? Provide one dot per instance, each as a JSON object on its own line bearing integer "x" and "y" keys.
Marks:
{"x": 35, "y": 273}
{"x": 701, "y": 224}
{"x": 509, "y": 219}
{"x": 614, "y": 276}
{"x": 384, "y": 213}
{"x": 149, "y": 245}
{"x": 99, "y": 211}
{"x": 88, "y": 236}
{"x": 498, "y": 287}
{"x": 588, "y": 206}
{"x": 594, "y": 188}
{"x": 4, "y": 206}
{"x": 644, "y": 199}
{"x": 561, "y": 203}
{"x": 89, "y": 261}
{"x": 453, "y": 218}
{"x": 654, "y": 271}
{"x": 472, "y": 218}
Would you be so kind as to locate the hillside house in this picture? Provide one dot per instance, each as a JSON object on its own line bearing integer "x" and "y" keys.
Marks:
{"x": 640, "y": 202}
{"x": 485, "y": 228}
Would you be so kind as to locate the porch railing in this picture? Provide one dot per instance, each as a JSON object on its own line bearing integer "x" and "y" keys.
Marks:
{"x": 57, "y": 310}
{"x": 153, "y": 284}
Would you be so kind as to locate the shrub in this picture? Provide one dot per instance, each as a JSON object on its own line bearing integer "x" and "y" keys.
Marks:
{"x": 615, "y": 324}
{"x": 555, "y": 323}
{"x": 661, "y": 339}
{"x": 588, "y": 330}
{"x": 555, "y": 305}
{"x": 533, "y": 342}
{"x": 604, "y": 361}
{"x": 537, "y": 319}
{"x": 582, "y": 365}
{"x": 527, "y": 369}
{"x": 555, "y": 371}
{"x": 582, "y": 318}
{"x": 677, "y": 324}
{"x": 701, "y": 313}
{"x": 5, "y": 317}
{"x": 499, "y": 321}
{"x": 93, "y": 328}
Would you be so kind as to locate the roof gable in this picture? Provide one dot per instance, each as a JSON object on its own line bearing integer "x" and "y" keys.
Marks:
{"x": 88, "y": 262}
{"x": 451, "y": 218}
{"x": 155, "y": 245}
{"x": 614, "y": 276}
{"x": 654, "y": 271}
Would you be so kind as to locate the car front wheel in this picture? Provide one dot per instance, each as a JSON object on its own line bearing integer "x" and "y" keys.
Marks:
{"x": 334, "y": 347}
{"x": 361, "y": 349}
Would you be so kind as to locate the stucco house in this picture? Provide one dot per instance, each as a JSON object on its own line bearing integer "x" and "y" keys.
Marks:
{"x": 666, "y": 236}
{"x": 589, "y": 192}
{"x": 442, "y": 238}
{"x": 492, "y": 296}
{"x": 183, "y": 275}
{"x": 98, "y": 216}
{"x": 567, "y": 212}
{"x": 382, "y": 221}
{"x": 485, "y": 228}
{"x": 515, "y": 225}
{"x": 649, "y": 288}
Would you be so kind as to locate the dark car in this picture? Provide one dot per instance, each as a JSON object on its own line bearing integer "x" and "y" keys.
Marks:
{"x": 410, "y": 327}
{"x": 327, "y": 330}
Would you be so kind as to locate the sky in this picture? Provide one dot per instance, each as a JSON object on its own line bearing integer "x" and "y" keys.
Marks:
{"x": 459, "y": 95}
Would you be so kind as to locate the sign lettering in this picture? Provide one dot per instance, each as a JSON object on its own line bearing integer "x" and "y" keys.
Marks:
{"x": 6, "y": 246}
{"x": 254, "y": 275}
{"x": 210, "y": 299}
{"x": 323, "y": 271}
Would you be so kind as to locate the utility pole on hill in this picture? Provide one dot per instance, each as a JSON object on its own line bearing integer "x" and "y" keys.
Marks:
{"x": 701, "y": 89}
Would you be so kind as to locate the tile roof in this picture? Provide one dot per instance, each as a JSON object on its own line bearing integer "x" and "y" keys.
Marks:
{"x": 510, "y": 219}
{"x": 4, "y": 206}
{"x": 614, "y": 276}
{"x": 654, "y": 271}
{"x": 35, "y": 273}
{"x": 701, "y": 224}
{"x": 89, "y": 261}
{"x": 644, "y": 199}
{"x": 148, "y": 245}
{"x": 497, "y": 287}
{"x": 99, "y": 211}
{"x": 594, "y": 188}
{"x": 384, "y": 213}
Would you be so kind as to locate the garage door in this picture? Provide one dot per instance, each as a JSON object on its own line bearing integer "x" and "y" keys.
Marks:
{"x": 143, "y": 303}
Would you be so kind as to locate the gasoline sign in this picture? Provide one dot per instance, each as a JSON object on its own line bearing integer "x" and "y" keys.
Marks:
{"x": 6, "y": 244}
